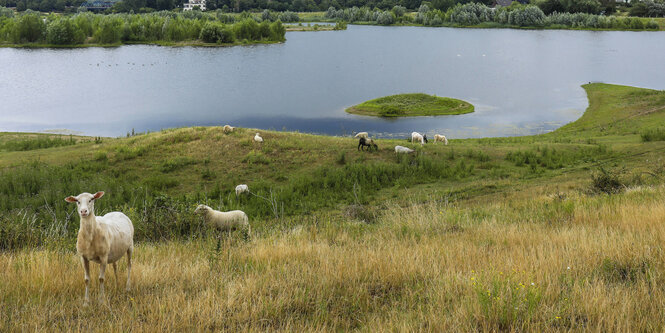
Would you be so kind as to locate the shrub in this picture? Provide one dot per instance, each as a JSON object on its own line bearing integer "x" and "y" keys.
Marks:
{"x": 30, "y": 27}
{"x": 399, "y": 10}
{"x": 214, "y": 32}
{"x": 605, "y": 181}
{"x": 63, "y": 32}
{"x": 385, "y": 18}
{"x": 288, "y": 16}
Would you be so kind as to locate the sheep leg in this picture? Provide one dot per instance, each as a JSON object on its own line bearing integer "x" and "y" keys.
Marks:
{"x": 102, "y": 270}
{"x": 115, "y": 273}
{"x": 86, "y": 268}
{"x": 129, "y": 267}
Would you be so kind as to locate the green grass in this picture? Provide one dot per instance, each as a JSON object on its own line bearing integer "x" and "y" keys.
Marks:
{"x": 295, "y": 174}
{"x": 410, "y": 105}
{"x": 553, "y": 232}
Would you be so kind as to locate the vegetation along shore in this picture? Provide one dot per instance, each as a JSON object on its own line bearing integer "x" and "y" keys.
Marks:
{"x": 554, "y": 232}
{"x": 410, "y": 105}
{"x": 30, "y": 29}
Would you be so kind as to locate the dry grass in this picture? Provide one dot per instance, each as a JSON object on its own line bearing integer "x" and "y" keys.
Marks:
{"x": 550, "y": 263}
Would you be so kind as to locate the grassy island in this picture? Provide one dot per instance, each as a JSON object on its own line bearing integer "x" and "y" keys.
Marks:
{"x": 410, "y": 105}
{"x": 556, "y": 232}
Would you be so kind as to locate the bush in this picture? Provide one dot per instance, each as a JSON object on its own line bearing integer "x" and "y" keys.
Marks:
{"x": 288, "y": 16}
{"x": 399, "y": 11}
{"x": 247, "y": 29}
{"x": 30, "y": 27}
{"x": 385, "y": 18}
{"x": 605, "y": 181}
{"x": 531, "y": 16}
{"x": 63, "y": 32}
{"x": 214, "y": 32}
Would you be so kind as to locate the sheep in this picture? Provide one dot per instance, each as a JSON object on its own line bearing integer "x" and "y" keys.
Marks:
{"x": 258, "y": 138}
{"x": 224, "y": 221}
{"x": 420, "y": 138}
{"x": 369, "y": 143}
{"x": 362, "y": 135}
{"x": 228, "y": 129}
{"x": 442, "y": 138}
{"x": 102, "y": 239}
{"x": 403, "y": 150}
{"x": 242, "y": 188}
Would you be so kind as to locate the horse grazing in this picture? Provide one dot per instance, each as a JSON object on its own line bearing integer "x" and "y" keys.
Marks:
{"x": 369, "y": 143}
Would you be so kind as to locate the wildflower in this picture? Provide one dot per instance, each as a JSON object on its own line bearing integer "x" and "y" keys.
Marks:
{"x": 557, "y": 317}
{"x": 533, "y": 284}
{"x": 473, "y": 278}
{"x": 568, "y": 268}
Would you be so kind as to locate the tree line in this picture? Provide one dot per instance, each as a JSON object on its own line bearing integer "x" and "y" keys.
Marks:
{"x": 477, "y": 14}
{"x": 645, "y": 8}
{"x": 88, "y": 28}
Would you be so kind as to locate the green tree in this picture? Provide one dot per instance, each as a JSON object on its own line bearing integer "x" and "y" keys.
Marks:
{"x": 63, "y": 32}
{"x": 31, "y": 27}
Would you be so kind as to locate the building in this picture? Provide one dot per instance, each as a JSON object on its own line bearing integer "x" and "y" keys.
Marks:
{"x": 194, "y": 3}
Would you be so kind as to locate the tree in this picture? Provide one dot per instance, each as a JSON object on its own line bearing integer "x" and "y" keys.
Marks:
{"x": 31, "y": 27}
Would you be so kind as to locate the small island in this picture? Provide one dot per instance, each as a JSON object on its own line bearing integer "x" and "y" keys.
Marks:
{"x": 411, "y": 105}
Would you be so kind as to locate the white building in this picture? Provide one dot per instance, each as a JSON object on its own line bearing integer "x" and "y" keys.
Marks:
{"x": 192, "y": 3}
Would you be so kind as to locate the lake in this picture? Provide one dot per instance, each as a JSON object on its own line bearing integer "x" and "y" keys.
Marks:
{"x": 520, "y": 81}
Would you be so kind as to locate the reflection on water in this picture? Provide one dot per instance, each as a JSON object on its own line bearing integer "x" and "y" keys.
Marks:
{"x": 521, "y": 82}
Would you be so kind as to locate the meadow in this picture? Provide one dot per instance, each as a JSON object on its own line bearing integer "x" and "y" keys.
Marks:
{"x": 555, "y": 232}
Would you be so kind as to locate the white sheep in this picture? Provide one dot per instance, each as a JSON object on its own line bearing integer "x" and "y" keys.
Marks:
{"x": 403, "y": 150}
{"x": 442, "y": 138}
{"x": 362, "y": 135}
{"x": 228, "y": 129}
{"x": 224, "y": 221}
{"x": 258, "y": 138}
{"x": 415, "y": 136}
{"x": 242, "y": 188}
{"x": 102, "y": 239}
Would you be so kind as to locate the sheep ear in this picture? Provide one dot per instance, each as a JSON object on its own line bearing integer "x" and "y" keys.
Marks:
{"x": 70, "y": 199}
{"x": 98, "y": 194}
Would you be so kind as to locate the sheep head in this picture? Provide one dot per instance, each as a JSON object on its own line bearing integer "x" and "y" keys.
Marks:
{"x": 85, "y": 203}
{"x": 201, "y": 209}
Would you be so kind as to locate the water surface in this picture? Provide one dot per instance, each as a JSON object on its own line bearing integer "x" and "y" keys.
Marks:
{"x": 521, "y": 81}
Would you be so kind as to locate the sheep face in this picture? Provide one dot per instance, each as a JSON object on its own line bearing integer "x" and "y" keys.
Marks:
{"x": 201, "y": 209}
{"x": 85, "y": 202}
{"x": 425, "y": 138}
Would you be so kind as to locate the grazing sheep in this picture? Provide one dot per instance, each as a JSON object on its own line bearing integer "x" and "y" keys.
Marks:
{"x": 442, "y": 138}
{"x": 102, "y": 239}
{"x": 369, "y": 143}
{"x": 403, "y": 150}
{"x": 415, "y": 136}
{"x": 242, "y": 188}
{"x": 224, "y": 221}
{"x": 362, "y": 135}
{"x": 228, "y": 129}
{"x": 258, "y": 138}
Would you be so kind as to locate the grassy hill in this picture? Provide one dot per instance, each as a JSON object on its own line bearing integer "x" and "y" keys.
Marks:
{"x": 410, "y": 105}
{"x": 554, "y": 232}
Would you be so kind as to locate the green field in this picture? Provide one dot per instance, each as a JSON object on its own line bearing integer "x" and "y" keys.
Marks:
{"x": 410, "y": 105}
{"x": 554, "y": 232}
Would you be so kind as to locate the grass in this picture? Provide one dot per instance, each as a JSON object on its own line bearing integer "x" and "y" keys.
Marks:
{"x": 409, "y": 105}
{"x": 555, "y": 232}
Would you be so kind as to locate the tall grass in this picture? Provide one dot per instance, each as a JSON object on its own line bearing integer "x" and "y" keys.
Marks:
{"x": 653, "y": 135}
{"x": 543, "y": 264}
{"x": 36, "y": 143}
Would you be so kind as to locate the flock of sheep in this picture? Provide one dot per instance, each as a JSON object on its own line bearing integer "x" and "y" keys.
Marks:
{"x": 366, "y": 141}
{"x": 106, "y": 239}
